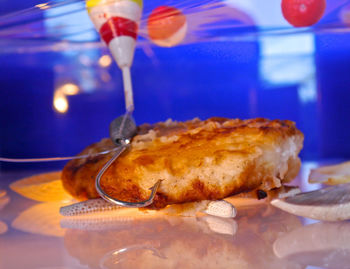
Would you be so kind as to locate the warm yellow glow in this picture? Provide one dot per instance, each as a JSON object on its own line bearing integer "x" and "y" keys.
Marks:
{"x": 3, "y": 227}
{"x": 244, "y": 202}
{"x": 4, "y": 201}
{"x": 43, "y": 6}
{"x": 105, "y": 61}
{"x": 60, "y": 102}
{"x": 42, "y": 218}
{"x": 90, "y": 4}
{"x": 69, "y": 89}
{"x": 2, "y": 193}
{"x": 42, "y": 187}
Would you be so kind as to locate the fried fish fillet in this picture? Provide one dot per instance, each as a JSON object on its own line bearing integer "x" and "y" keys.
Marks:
{"x": 196, "y": 160}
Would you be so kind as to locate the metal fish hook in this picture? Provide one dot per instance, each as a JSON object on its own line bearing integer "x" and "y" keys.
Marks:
{"x": 121, "y": 131}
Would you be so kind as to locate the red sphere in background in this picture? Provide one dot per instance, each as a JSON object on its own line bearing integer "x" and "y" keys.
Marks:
{"x": 302, "y": 13}
{"x": 166, "y": 26}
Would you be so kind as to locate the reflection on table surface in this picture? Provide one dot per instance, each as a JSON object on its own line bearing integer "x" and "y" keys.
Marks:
{"x": 34, "y": 235}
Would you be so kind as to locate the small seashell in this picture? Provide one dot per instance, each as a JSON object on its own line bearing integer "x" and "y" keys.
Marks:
{"x": 221, "y": 209}
{"x": 328, "y": 204}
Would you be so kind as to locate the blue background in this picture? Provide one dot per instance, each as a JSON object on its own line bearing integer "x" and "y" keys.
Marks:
{"x": 196, "y": 80}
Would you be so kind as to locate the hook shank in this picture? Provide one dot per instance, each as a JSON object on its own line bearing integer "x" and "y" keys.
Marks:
{"x": 113, "y": 200}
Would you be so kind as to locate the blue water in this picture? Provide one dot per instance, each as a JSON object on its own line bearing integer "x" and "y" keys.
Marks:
{"x": 199, "y": 80}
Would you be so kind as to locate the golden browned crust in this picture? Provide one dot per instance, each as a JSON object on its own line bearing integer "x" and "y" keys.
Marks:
{"x": 196, "y": 160}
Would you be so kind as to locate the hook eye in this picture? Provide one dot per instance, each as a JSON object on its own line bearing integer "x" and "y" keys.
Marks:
{"x": 122, "y": 141}
{"x": 122, "y": 129}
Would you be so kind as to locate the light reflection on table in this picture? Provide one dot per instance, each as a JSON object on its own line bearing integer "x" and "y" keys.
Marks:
{"x": 34, "y": 235}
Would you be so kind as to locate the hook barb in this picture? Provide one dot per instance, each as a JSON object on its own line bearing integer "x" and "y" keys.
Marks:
{"x": 115, "y": 201}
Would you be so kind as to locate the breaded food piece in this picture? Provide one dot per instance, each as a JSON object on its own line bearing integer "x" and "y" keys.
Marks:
{"x": 196, "y": 160}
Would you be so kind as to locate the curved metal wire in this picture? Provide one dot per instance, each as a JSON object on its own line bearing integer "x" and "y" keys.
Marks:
{"x": 113, "y": 200}
{"x": 53, "y": 159}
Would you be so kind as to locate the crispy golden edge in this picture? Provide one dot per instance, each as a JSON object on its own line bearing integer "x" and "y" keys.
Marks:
{"x": 78, "y": 176}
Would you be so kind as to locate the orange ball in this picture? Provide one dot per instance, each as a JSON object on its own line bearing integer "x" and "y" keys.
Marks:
{"x": 167, "y": 26}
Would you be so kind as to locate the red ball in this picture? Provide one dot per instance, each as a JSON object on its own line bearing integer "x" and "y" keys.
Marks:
{"x": 302, "y": 13}
{"x": 166, "y": 26}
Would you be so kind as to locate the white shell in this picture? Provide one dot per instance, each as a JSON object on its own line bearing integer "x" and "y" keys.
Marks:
{"x": 328, "y": 204}
{"x": 221, "y": 209}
